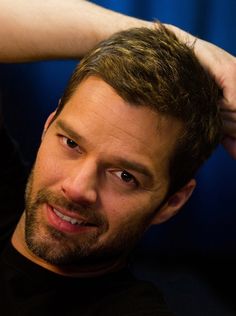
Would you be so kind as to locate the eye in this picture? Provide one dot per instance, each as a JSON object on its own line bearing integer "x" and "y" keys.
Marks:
{"x": 68, "y": 142}
{"x": 125, "y": 176}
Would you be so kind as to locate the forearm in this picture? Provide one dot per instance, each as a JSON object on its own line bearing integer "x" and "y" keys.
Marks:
{"x": 55, "y": 29}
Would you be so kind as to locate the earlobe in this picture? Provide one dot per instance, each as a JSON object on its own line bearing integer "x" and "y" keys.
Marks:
{"x": 174, "y": 203}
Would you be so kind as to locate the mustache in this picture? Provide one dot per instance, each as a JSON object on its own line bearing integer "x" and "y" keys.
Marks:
{"x": 88, "y": 213}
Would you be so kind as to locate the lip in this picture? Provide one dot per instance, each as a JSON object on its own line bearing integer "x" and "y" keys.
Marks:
{"x": 65, "y": 226}
{"x": 68, "y": 213}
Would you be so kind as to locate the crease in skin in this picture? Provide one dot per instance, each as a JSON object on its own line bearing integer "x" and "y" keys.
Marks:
{"x": 125, "y": 164}
{"x": 113, "y": 137}
{"x": 160, "y": 123}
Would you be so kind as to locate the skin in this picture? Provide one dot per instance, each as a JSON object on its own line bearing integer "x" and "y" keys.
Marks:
{"x": 88, "y": 168}
{"x": 59, "y": 29}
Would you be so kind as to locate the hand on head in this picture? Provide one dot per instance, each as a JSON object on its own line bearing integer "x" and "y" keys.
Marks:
{"x": 227, "y": 81}
{"x": 222, "y": 66}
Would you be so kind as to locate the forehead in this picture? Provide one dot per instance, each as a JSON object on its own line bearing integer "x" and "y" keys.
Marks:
{"x": 110, "y": 125}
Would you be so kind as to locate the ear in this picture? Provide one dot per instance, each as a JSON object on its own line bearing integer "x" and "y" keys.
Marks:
{"x": 174, "y": 203}
{"x": 47, "y": 123}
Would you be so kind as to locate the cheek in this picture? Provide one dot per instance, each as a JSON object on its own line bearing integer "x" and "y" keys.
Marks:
{"x": 47, "y": 169}
{"x": 127, "y": 212}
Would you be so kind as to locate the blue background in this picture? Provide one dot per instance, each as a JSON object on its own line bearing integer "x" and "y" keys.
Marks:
{"x": 207, "y": 224}
{"x": 205, "y": 228}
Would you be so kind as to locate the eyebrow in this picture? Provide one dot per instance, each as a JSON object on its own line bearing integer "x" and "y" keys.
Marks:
{"x": 126, "y": 164}
{"x": 66, "y": 128}
{"x": 135, "y": 166}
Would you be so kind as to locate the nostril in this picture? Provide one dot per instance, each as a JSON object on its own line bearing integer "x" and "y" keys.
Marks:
{"x": 84, "y": 195}
{"x": 80, "y": 184}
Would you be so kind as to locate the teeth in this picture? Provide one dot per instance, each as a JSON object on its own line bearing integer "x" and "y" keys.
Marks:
{"x": 68, "y": 219}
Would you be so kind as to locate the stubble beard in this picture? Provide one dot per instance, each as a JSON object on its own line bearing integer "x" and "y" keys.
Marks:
{"x": 56, "y": 247}
{"x": 52, "y": 245}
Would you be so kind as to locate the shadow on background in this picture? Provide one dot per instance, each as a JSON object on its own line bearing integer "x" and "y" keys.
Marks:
{"x": 191, "y": 257}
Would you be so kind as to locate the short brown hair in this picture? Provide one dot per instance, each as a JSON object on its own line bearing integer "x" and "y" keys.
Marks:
{"x": 151, "y": 67}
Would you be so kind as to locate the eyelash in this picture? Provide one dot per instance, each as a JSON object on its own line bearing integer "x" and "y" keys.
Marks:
{"x": 133, "y": 181}
{"x": 65, "y": 140}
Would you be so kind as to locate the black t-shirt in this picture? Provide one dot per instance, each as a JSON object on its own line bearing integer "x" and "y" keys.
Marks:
{"x": 28, "y": 289}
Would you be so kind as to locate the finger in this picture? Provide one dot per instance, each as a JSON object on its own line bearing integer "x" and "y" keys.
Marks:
{"x": 229, "y": 128}
{"x": 229, "y": 144}
{"x": 228, "y": 104}
{"x": 226, "y": 79}
{"x": 228, "y": 115}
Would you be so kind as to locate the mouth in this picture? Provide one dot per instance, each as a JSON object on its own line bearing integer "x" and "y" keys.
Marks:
{"x": 67, "y": 221}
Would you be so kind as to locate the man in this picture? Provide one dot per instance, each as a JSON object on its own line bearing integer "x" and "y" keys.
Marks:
{"x": 58, "y": 29}
{"x": 41, "y": 292}
{"x": 118, "y": 155}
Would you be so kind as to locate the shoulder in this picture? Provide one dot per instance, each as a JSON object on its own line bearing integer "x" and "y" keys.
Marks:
{"x": 132, "y": 297}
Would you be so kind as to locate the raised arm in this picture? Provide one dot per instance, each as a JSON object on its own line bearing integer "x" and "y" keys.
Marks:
{"x": 56, "y": 29}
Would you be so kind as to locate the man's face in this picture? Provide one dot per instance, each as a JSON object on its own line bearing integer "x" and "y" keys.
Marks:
{"x": 101, "y": 173}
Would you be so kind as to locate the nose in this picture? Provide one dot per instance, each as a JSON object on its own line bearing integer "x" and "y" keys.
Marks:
{"x": 80, "y": 183}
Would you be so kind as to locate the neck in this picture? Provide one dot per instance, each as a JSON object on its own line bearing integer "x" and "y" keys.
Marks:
{"x": 19, "y": 243}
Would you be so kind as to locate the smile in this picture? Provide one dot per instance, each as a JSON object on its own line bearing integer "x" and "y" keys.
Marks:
{"x": 68, "y": 219}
